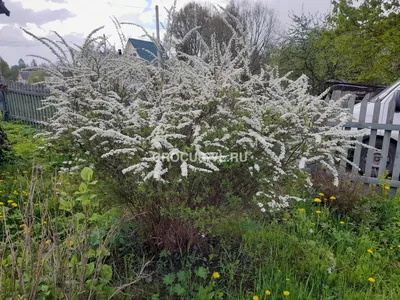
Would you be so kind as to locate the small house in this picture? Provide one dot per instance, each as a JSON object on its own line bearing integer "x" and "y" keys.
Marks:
{"x": 23, "y": 76}
{"x": 139, "y": 48}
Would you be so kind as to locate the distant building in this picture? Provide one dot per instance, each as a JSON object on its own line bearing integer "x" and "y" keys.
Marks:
{"x": 3, "y": 9}
{"x": 23, "y": 76}
{"x": 144, "y": 49}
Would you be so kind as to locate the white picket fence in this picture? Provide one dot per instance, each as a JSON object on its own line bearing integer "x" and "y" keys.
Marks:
{"x": 378, "y": 117}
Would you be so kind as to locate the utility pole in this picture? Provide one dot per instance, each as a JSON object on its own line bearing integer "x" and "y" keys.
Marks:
{"x": 158, "y": 35}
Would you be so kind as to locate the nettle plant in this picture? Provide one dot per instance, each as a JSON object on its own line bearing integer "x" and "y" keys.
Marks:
{"x": 123, "y": 109}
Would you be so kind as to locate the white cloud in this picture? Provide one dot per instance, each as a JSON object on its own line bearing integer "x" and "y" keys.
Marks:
{"x": 22, "y": 15}
{"x": 77, "y": 18}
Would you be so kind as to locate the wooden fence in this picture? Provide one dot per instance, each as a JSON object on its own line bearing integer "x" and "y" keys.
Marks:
{"x": 23, "y": 102}
{"x": 381, "y": 118}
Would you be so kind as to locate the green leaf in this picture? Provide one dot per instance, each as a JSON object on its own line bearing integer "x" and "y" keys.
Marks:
{"x": 107, "y": 272}
{"x": 65, "y": 205}
{"x": 83, "y": 187}
{"x": 87, "y": 174}
{"x": 169, "y": 279}
{"x": 201, "y": 272}
{"x": 178, "y": 289}
{"x": 91, "y": 253}
{"x": 79, "y": 216}
{"x": 85, "y": 202}
{"x": 182, "y": 275}
{"x": 89, "y": 268}
{"x": 74, "y": 260}
{"x": 44, "y": 288}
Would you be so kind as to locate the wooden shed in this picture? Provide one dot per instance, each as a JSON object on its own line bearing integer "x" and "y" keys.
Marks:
{"x": 341, "y": 88}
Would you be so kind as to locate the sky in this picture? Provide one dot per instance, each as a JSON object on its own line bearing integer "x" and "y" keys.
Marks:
{"x": 75, "y": 19}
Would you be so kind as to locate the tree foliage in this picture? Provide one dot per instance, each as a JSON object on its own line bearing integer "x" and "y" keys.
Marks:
{"x": 258, "y": 22}
{"x": 366, "y": 36}
{"x": 305, "y": 51}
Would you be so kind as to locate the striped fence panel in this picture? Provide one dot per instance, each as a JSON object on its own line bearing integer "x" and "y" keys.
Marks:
{"x": 383, "y": 124}
{"x": 24, "y": 103}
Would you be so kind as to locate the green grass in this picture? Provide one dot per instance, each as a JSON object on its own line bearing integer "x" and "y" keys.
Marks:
{"x": 334, "y": 254}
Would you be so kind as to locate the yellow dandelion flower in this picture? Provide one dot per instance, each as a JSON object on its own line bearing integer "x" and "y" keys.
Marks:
{"x": 1, "y": 217}
{"x": 302, "y": 210}
{"x": 278, "y": 271}
{"x": 391, "y": 248}
{"x": 10, "y": 201}
{"x": 371, "y": 279}
{"x": 332, "y": 198}
{"x": 341, "y": 222}
{"x": 321, "y": 194}
{"x": 1, "y": 180}
{"x": 14, "y": 205}
{"x": 255, "y": 297}
{"x": 268, "y": 292}
{"x": 367, "y": 228}
{"x": 287, "y": 279}
{"x": 317, "y": 200}
{"x": 370, "y": 251}
{"x": 317, "y": 212}
{"x": 398, "y": 246}
{"x": 48, "y": 242}
{"x": 1, "y": 203}
{"x": 15, "y": 192}
{"x": 70, "y": 243}
{"x": 36, "y": 204}
{"x": 25, "y": 172}
{"x": 387, "y": 187}
{"x": 286, "y": 293}
{"x": 25, "y": 202}
{"x": 44, "y": 222}
{"x": 216, "y": 275}
{"x": 22, "y": 226}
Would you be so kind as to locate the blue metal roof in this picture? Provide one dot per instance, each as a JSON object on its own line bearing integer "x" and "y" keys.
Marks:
{"x": 142, "y": 48}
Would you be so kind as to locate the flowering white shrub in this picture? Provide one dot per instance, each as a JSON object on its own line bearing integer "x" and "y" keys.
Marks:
{"x": 209, "y": 106}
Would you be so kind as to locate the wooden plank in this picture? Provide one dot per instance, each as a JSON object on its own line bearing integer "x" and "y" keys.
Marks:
{"x": 372, "y": 126}
{"x": 350, "y": 106}
{"x": 372, "y": 139}
{"x": 15, "y": 105}
{"x": 396, "y": 167}
{"x": 336, "y": 95}
{"x": 352, "y": 102}
{"x": 373, "y": 180}
{"x": 24, "y": 92}
{"x": 361, "y": 119}
{"x": 386, "y": 137}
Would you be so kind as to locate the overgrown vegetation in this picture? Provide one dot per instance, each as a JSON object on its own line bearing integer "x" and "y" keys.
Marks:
{"x": 61, "y": 238}
{"x": 186, "y": 178}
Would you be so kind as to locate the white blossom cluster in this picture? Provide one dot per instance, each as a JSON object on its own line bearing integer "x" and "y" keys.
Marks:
{"x": 126, "y": 107}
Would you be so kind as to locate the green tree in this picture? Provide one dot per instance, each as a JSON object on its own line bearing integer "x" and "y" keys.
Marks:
{"x": 22, "y": 64}
{"x": 4, "y": 68}
{"x": 305, "y": 51}
{"x": 366, "y": 36}
{"x": 7, "y": 72}
{"x": 36, "y": 77}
